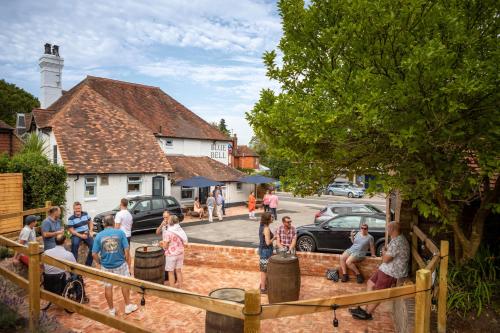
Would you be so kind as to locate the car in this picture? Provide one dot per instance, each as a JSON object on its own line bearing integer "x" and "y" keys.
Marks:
{"x": 344, "y": 189}
{"x": 335, "y": 209}
{"x": 333, "y": 235}
{"x": 146, "y": 210}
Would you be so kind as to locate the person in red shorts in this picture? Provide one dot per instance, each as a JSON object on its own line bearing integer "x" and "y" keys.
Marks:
{"x": 395, "y": 259}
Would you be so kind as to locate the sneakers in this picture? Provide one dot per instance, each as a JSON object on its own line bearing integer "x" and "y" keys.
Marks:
{"x": 359, "y": 313}
{"x": 263, "y": 291}
{"x": 345, "y": 277}
{"x": 359, "y": 278}
{"x": 130, "y": 308}
{"x": 356, "y": 310}
{"x": 112, "y": 312}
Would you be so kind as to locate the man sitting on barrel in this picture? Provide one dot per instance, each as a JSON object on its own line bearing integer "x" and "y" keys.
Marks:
{"x": 286, "y": 235}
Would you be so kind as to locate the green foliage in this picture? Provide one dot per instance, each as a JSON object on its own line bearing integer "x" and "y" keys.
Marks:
{"x": 9, "y": 320}
{"x": 222, "y": 126}
{"x": 34, "y": 144}
{"x": 14, "y": 100}
{"x": 471, "y": 285}
{"x": 5, "y": 252}
{"x": 278, "y": 165}
{"x": 406, "y": 91}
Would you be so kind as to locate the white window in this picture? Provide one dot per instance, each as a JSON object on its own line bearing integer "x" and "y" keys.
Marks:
{"x": 187, "y": 193}
{"x": 90, "y": 187}
{"x": 239, "y": 187}
{"x": 134, "y": 184}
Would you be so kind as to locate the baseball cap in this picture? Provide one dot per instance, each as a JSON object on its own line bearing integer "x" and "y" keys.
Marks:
{"x": 31, "y": 218}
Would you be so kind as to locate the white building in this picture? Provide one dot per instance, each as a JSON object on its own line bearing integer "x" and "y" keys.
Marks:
{"x": 118, "y": 139}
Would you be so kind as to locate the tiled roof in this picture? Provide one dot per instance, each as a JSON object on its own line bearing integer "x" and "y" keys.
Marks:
{"x": 243, "y": 151}
{"x": 95, "y": 136}
{"x": 6, "y": 126}
{"x": 156, "y": 110}
{"x": 189, "y": 166}
{"x": 41, "y": 117}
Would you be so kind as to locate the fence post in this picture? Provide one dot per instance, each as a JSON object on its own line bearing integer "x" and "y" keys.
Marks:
{"x": 252, "y": 311}
{"x": 443, "y": 286}
{"x": 414, "y": 245}
{"x": 423, "y": 301}
{"x": 34, "y": 285}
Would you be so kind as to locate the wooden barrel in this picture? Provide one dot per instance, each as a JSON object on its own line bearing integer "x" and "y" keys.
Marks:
{"x": 218, "y": 323}
{"x": 149, "y": 264}
{"x": 283, "y": 279}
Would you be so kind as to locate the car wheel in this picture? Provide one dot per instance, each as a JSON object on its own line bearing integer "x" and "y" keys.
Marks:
{"x": 306, "y": 244}
{"x": 379, "y": 248}
{"x": 330, "y": 193}
{"x": 350, "y": 195}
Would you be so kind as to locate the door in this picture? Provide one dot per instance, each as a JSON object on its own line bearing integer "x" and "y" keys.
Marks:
{"x": 157, "y": 209}
{"x": 158, "y": 186}
{"x": 204, "y": 194}
{"x": 336, "y": 236}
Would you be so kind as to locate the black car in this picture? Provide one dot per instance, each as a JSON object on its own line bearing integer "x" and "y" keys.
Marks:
{"x": 147, "y": 212}
{"x": 333, "y": 235}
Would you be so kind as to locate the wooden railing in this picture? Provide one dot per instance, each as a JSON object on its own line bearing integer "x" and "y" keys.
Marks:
{"x": 6, "y": 216}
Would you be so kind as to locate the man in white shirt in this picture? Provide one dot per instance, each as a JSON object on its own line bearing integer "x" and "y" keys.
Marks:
{"x": 124, "y": 220}
{"x": 27, "y": 235}
{"x": 54, "y": 278}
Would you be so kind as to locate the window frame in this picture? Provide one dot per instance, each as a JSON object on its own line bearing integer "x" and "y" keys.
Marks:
{"x": 187, "y": 189}
{"x": 139, "y": 182}
{"x": 94, "y": 184}
{"x": 239, "y": 187}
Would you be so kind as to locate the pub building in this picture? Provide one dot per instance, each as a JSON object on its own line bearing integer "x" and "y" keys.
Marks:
{"x": 120, "y": 139}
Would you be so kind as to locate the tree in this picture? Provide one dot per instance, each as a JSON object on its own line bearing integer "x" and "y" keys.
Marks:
{"x": 404, "y": 90}
{"x": 14, "y": 100}
{"x": 277, "y": 165}
{"x": 223, "y": 127}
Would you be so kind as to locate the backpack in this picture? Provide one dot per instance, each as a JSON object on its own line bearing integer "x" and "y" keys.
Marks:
{"x": 332, "y": 274}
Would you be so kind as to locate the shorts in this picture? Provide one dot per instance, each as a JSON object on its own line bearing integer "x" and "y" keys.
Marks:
{"x": 382, "y": 280}
{"x": 264, "y": 255}
{"x": 174, "y": 262}
{"x": 358, "y": 256}
{"x": 120, "y": 270}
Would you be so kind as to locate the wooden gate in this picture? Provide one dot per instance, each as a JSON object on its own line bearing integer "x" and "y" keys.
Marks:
{"x": 11, "y": 201}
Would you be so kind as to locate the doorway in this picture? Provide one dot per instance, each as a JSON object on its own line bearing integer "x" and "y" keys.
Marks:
{"x": 204, "y": 194}
{"x": 158, "y": 186}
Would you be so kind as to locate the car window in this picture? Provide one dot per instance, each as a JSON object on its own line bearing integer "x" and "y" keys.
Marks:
{"x": 361, "y": 209}
{"x": 340, "y": 210}
{"x": 351, "y": 222}
{"x": 158, "y": 204}
{"x": 171, "y": 202}
{"x": 374, "y": 209}
{"x": 374, "y": 223}
{"x": 143, "y": 206}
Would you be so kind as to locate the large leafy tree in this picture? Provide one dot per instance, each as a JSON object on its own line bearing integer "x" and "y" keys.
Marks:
{"x": 404, "y": 90}
{"x": 14, "y": 100}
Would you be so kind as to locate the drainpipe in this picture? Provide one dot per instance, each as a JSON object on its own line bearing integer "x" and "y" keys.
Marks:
{"x": 74, "y": 186}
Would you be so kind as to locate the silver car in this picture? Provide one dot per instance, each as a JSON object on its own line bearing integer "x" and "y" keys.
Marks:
{"x": 333, "y": 210}
{"x": 345, "y": 190}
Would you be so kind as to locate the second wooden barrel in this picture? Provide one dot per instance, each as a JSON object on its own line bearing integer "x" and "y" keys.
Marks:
{"x": 149, "y": 264}
{"x": 283, "y": 279}
{"x": 218, "y": 323}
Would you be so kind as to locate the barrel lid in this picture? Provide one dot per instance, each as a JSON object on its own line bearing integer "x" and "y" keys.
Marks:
{"x": 281, "y": 259}
{"x": 229, "y": 294}
{"x": 149, "y": 249}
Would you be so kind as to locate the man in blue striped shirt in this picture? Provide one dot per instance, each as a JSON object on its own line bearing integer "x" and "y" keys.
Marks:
{"x": 80, "y": 226}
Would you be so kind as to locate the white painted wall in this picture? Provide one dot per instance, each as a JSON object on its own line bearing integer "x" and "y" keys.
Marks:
{"x": 231, "y": 193}
{"x": 107, "y": 196}
{"x": 50, "y": 79}
{"x": 217, "y": 150}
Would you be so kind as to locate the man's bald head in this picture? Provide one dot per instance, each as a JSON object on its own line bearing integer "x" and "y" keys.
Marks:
{"x": 394, "y": 229}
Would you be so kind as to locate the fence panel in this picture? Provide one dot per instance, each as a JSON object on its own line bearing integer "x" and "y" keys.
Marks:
{"x": 11, "y": 199}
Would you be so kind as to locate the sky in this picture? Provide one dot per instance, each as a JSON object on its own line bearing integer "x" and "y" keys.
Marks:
{"x": 205, "y": 54}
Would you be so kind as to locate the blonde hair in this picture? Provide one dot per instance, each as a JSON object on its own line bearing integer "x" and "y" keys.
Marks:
{"x": 173, "y": 220}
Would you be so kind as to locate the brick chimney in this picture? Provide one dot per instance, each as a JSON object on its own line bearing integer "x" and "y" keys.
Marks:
{"x": 51, "y": 65}
{"x": 234, "y": 162}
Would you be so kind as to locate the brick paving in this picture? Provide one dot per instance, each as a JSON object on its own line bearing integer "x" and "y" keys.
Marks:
{"x": 160, "y": 315}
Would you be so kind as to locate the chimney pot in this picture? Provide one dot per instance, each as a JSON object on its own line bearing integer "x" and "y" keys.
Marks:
{"x": 47, "y": 48}
{"x": 55, "y": 50}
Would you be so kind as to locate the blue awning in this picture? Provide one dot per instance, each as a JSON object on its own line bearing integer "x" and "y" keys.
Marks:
{"x": 256, "y": 179}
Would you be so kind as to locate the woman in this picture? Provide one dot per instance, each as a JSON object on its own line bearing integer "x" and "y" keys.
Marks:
{"x": 174, "y": 239}
{"x": 266, "y": 239}
{"x": 198, "y": 209}
{"x": 265, "y": 201}
{"x": 251, "y": 206}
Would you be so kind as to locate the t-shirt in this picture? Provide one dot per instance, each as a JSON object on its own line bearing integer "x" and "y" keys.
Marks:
{"x": 48, "y": 225}
{"x": 210, "y": 202}
{"x": 273, "y": 201}
{"x": 79, "y": 223}
{"x": 362, "y": 243}
{"x": 124, "y": 218}
{"x": 219, "y": 199}
{"x": 27, "y": 235}
{"x": 175, "y": 245}
{"x": 265, "y": 200}
{"x": 399, "y": 249}
{"x": 111, "y": 244}
{"x": 58, "y": 252}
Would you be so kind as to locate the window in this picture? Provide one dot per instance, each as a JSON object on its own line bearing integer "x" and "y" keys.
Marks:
{"x": 143, "y": 206}
{"x": 345, "y": 222}
{"x": 90, "y": 187}
{"x": 134, "y": 184}
{"x": 374, "y": 223}
{"x": 171, "y": 202}
{"x": 361, "y": 209}
{"x": 187, "y": 193}
{"x": 104, "y": 180}
{"x": 340, "y": 210}
{"x": 54, "y": 152}
{"x": 21, "y": 120}
{"x": 239, "y": 186}
{"x": 158, "y": 204}
{"x": 169, "y": 143}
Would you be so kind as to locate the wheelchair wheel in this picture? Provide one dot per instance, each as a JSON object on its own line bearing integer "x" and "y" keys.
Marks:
{"x": 73, "y": 291}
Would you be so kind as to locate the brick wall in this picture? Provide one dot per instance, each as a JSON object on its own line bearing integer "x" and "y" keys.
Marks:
{"x": 314, "y": 264}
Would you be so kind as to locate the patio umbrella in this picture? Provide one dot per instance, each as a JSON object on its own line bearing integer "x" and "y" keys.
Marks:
{"x": 256, "y": 179}
{"x": 198, "y": 181}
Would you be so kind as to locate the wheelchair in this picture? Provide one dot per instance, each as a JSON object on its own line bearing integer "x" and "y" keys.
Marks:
{"x": 71, "y": 288}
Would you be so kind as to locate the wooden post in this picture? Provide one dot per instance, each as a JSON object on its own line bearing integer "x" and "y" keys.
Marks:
{"x": 397, "y": 209}
{"x": 414, "y": 245}
{"x": 252, "y": 311}
{"x": 34, "y": 285}
{"x": 443, "y": 286}
{"x": 423, "y": 301}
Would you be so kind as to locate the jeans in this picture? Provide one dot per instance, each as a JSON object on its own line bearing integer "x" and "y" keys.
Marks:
{"x": 223, "y": 207}
{"x": 274, "y": 213}
{"x": 75, "y": 244}
{"x": 210, "y": 213}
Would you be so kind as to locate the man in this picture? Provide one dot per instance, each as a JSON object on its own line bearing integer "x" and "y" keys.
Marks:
{"x": 51, "y": 227}
{"x": 210, "y": 207}
{"x": 286, "y": 235}
{"x": 162, "y": 228}
{"x": 54, "y": 278}
{"x": 111, "y": 254}
{"x": 273, "y": 204}
{"x": 219, "y": 201}
{"x": 124, "y": 220}
{"x": 361, "y": 242}
{"x": 80, "y": 226}
{"x": 27, "y": 235}
{"x": 394, "y": 266}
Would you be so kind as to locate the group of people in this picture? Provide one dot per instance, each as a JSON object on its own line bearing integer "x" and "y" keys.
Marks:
{"x": 269, "y": 202}
{"x": 215, "y": 205}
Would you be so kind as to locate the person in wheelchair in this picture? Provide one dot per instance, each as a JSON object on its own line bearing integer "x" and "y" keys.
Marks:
{"x": 54, "y": 278}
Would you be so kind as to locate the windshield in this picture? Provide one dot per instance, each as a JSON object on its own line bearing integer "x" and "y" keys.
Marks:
{"x": 374, "y": 209}
{"x": 131, "y": 203}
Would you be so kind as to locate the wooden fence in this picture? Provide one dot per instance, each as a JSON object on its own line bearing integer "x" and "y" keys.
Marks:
{"x": 252, "y": 311}
{"x": 11, "y": 197}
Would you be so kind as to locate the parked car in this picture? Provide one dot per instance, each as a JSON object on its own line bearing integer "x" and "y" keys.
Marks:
{"x": 344, "y": 189}
{"x": 332, "y": 210}
{"x": 146, "y": 211}
{"x": 333, "y": 234}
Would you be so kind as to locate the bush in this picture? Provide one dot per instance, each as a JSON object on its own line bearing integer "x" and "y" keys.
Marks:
{"x": 6, "y": 252}
{"x": 471, "y": 285}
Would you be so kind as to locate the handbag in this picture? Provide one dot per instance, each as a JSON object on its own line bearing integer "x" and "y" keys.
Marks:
{"x": 332, "y": 274}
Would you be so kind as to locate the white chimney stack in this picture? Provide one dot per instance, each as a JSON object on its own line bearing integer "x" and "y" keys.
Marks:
{"x": 51, "y": 65}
